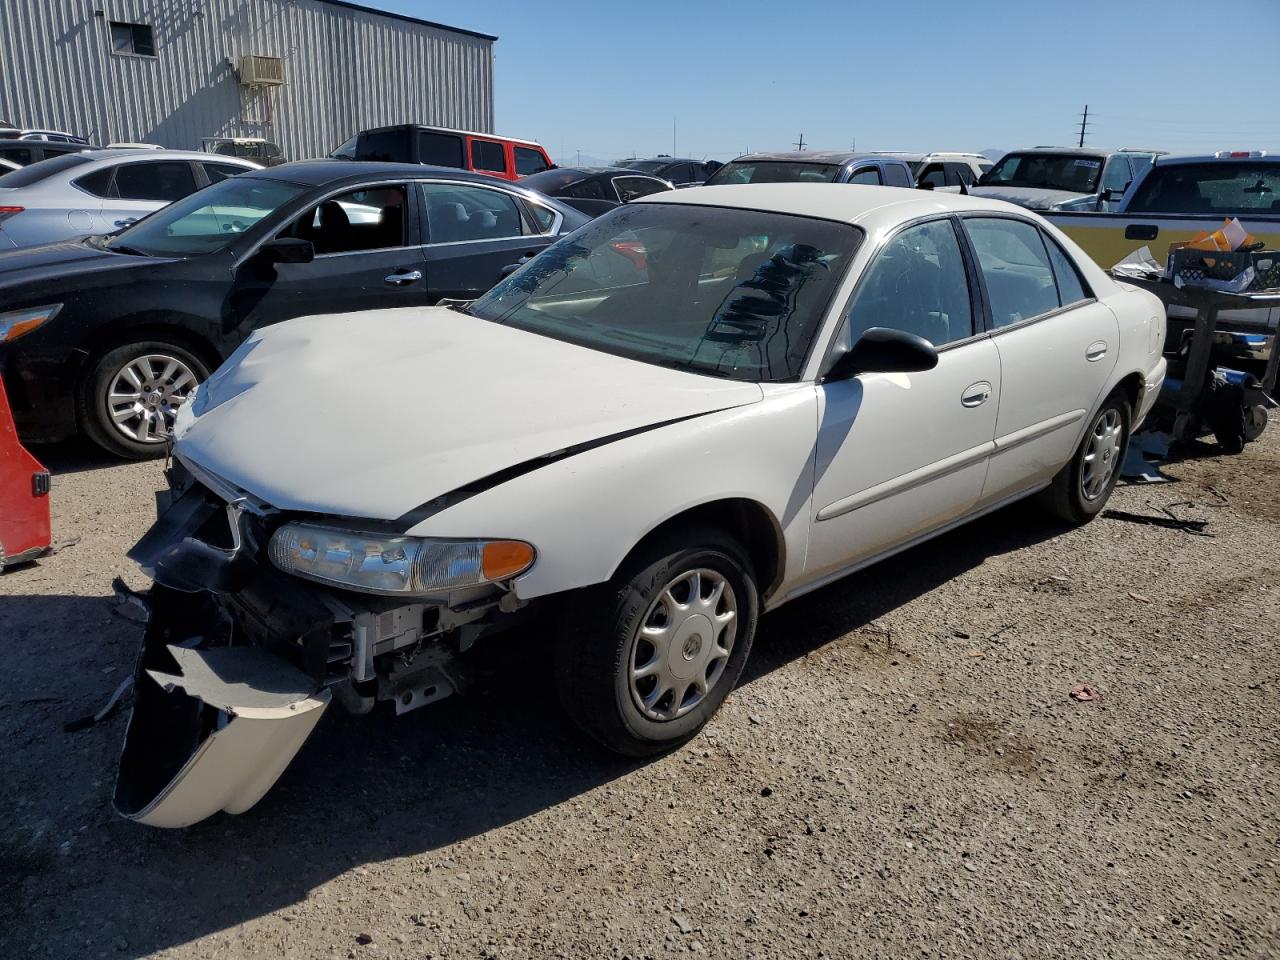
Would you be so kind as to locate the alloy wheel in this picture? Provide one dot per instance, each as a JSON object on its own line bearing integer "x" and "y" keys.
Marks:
{"x": 144, "y": 395}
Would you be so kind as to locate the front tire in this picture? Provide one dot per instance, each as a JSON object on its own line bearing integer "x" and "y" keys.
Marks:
{"x": 132, "y": 393}
{"x": 1081, "y": 488}
{"x": 643, "y": 661}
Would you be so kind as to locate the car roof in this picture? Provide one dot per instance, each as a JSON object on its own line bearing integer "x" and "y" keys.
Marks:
{"x": 814, "y": 156}
{"x": 868, "y": 206}
{"x": 1168, "y": 159}
{"x": 465, "y": 133}
{"x": 316, "y": 172}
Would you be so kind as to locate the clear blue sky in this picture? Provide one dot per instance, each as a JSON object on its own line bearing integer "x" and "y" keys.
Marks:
{"x": 608, "y": 79}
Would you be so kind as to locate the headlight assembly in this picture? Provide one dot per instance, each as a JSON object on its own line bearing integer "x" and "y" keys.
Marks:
{"x": 394, "y": 566}
{"x": 15, "y": 323}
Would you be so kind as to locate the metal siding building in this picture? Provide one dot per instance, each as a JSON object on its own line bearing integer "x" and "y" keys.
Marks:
{"x": 345, "y": 68}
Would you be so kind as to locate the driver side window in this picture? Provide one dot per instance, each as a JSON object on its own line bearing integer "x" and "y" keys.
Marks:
{"x": 366, "y": 219}
{"x": 917, "y": 284}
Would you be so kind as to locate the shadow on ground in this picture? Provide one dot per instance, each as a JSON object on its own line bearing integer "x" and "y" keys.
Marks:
{"x": 362, "y": 789}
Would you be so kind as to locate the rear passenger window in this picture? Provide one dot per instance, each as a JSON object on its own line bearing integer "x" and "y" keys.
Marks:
{"x": 19, "y": 155}
{"x": 1070, "y": 286}
{"x": 866, "y": 175}
{"x": 896, "y": 176}
{"x": 632, "y": 188}
{"x": 389, "y": 145}
{"x": 457, "y": 213}
{"x": 97, "y": 183}
{"x": 1015, "y": 266}
{"x": 546, "y": 218}
{"x": 529, "y": 161}
{"x": 440, "y": 150}
{"x": 220, "y": 171}
{"x": 917, "y": 284}
{"x": 585, "y": 190}
{"x": 487, "y": 155}
{"x": 164, "y": 180}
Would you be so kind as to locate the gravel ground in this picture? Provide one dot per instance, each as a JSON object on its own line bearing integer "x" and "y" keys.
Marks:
{"x": 902, "y": 772}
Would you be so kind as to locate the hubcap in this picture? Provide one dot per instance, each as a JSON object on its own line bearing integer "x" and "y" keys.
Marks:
{"x": 681, "y": 649}
{"x": 144, "y": 396}
{"x": 1102, "y": 455}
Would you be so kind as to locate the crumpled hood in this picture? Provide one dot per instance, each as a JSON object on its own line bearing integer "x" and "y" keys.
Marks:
{"x": 372, "y": 414}
{"x": 1030, "y": 197}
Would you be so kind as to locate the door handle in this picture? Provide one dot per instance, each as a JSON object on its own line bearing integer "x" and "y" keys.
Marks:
{"x": 403, "y": 278}
{"x": 976, "y": 394}
{"x": 127, "y": 221}
{"x": 1141, "y": 231}
{"x": 1097, "y": 350}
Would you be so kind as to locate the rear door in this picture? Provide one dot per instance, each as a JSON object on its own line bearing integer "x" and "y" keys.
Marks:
{"x": 367, "y": 256}
{"x": 141, "y": 186}
{"x": 1057, "y": 347}
{"x": 474, "y": 230}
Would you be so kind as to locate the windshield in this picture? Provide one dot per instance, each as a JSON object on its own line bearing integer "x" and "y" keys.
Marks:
{"x": 208, "y": 220}
{"x": 774, "y": 171}
{"x": 646, "y": 166}
{"x": 1047, "y": 171}
{"x": 732, "y": 293}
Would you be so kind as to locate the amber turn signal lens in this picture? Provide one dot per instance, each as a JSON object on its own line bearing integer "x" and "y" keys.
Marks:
{"x": 503, "y": 559}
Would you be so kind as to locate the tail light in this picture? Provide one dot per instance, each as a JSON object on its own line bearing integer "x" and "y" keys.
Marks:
{"x": 7, "y": 212}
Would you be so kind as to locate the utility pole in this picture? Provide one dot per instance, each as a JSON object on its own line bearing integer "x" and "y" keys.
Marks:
{"x": 673, "y": 138}
{"x": 579, "y": 163}
{"x": 1084, "y": 123}
{"x": 800, "y": 144}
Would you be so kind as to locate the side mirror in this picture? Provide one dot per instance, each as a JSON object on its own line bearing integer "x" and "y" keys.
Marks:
{"x": 287, "y": 250}
{"x": 882, "y": 350}
{"x": 926, "y": 185}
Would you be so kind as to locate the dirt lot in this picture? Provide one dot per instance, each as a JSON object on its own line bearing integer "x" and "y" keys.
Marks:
{"x": 902, "y": 772}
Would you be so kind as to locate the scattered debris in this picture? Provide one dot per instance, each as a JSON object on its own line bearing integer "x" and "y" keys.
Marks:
{"x": 1146, "y": 449}
{"x": 1139, "y": 597}
{"x": 681, "y": 923}
{"x": 108, "y": 708}
{"x": 128, "y": 603}
{"x": 1083, "y": 693}
{"x": 1194, "y": 527}
{"x": 754, "y": 720}
{"x": 766, "y": 791}
{"x": 364, "y": 939}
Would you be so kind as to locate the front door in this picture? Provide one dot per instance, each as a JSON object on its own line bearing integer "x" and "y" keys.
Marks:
{"x": 474, "y": 232}
{"x": 1057, "y": 349}
{"x": 366, "y": 257}
{"x": 900, "y": 455}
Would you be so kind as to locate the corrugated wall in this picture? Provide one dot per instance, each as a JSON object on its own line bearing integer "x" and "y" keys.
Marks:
{"x": 344, "y": 69}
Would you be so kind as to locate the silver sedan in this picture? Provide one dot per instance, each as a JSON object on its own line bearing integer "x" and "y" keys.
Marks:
{"x": 100, "y": 191}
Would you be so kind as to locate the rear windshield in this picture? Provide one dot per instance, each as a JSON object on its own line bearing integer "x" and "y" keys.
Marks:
{"x": 1218, "y": 188}
{"x": 42, "y": 170}
{"x": 774, "y": 171}
{"x": 1046, "y": 171}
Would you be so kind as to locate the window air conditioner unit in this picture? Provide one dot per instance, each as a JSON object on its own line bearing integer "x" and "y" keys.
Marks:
{"x": 261, "y": 71}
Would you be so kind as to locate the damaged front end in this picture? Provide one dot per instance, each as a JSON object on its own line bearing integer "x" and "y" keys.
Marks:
{"x": 239, "y": 659}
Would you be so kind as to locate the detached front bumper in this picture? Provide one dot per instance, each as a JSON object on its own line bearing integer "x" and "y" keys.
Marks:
{"x": 239, "y": 660}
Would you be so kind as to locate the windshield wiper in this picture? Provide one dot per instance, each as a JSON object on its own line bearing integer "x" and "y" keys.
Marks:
{"x": 693, "y": 366}
{"x": 124, "y": 248}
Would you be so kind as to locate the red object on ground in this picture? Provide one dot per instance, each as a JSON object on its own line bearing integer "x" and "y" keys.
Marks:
{"x": 24, "y": 495}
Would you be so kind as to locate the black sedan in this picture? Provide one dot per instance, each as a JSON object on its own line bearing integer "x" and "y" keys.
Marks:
{"x": 109, "y": 335}
{"x": 681, "y": 171}
{"x": 595, "y": 190}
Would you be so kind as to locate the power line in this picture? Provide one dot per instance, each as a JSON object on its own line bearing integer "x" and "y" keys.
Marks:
{"x": 1180, "y": 120}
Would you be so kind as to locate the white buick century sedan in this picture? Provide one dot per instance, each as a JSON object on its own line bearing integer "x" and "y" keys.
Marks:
{"x": 693, "y": 409}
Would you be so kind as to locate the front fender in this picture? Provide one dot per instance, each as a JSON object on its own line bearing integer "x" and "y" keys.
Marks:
{"x": 585, "y": 513}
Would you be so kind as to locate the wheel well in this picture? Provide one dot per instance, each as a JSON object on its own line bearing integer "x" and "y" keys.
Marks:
{"x": 1131, "y": 387}
{"x": 749, "y": 523}
{"x": 120, "y": 334}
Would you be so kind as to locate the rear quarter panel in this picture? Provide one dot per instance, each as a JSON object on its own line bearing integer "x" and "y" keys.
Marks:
{"x": 1101, "y": 235}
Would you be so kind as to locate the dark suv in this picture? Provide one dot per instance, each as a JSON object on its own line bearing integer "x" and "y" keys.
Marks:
{"x": 27, "y": 152}
{"x": 679, "y": 171}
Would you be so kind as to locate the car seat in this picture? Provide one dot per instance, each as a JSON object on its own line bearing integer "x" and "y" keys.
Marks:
{"x": 334, "y": 229}
{"x": 448, "y": 222}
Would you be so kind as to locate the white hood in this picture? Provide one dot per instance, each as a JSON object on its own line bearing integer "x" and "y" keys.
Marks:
{"x": 1033, "y": 198}
{"x": 372, "y": 414}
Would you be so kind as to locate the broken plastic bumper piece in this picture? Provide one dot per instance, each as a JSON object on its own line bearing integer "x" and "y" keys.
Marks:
{"x": 212, "y": 729}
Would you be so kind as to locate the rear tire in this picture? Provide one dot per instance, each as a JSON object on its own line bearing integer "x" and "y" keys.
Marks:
{"x": 1081, "y": 489}
{"x": 129, "y": 397}
{"x": 643, "y": 661}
